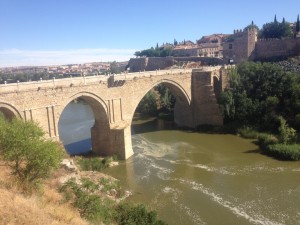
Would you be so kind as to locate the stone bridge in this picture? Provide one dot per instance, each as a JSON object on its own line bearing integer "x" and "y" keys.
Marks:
{"x": 113, "y": 100}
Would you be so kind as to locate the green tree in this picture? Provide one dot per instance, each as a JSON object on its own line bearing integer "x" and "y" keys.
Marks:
{"x": 276, "y": 30}
{"x": 114, "y": 67}
{"x": 148, "y": 104}
{"x": 30, "y": 156}
{"x": 167, "y": 100}
{"x": 251, "y": 26}
{"x": 259, "y": 93}
{"x": 175, "y": 42}
{"x": 298, "y": 24}
{"x": 275, "y": 19}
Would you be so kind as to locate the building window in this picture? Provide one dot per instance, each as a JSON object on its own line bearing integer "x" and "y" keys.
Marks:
{"x": 230, "y": 46}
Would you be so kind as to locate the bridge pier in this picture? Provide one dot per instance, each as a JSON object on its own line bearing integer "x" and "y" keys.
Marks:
{"x": 100, "y": 139}
{"x": 121, "y": 142}
{"x": 205, "y": 107}
{"x": 108, "y": 142}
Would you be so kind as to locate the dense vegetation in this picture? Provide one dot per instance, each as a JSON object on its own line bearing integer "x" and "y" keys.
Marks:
{"x": 155, "y": 52}
{"x": 265, "y": 97}
{"x": 87, "y": 197}
{"x": 94, "y": 163}
{"x": 276, "y": 29}
{"x": 31, "y": 157}
{"x": 259, "y": 93}
{"x": 156, "y": 101}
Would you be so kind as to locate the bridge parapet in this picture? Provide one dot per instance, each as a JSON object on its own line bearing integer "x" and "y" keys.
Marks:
{"x": 85, "y": 80}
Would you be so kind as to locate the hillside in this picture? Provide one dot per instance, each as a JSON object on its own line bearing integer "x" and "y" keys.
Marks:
{"x": 40, "y": 208}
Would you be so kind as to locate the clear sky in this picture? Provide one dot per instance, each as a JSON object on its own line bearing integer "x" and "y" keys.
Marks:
{"x": 46, "y": 32}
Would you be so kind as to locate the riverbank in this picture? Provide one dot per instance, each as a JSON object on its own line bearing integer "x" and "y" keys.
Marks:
{"x": 70, "y": 196}
{"x": 282, "y": 146}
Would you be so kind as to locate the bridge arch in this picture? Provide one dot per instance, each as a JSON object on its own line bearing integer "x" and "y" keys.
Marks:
{"x": 216, "y": 82}
{"x": 182, "y": 111}
{"x": 100, "y": 129}
{"x": 9, "y": 111}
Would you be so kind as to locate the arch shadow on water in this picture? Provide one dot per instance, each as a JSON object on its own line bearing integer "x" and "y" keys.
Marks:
{"x": 152, "y": 124}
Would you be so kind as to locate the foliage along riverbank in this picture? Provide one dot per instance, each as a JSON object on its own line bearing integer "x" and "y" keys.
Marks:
{"x": 264, "y": 98}
{"x": 32, "y": 162}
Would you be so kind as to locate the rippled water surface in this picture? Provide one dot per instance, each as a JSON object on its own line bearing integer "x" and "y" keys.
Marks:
{"x": 192, "y": 178}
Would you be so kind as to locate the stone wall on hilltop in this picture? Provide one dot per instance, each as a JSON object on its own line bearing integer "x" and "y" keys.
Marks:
{"x": 157, "y": 63}
{"x": 268, "y": 49}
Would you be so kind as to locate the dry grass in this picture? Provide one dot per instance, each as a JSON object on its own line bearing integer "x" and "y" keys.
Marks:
{"x": 40, "y": 208}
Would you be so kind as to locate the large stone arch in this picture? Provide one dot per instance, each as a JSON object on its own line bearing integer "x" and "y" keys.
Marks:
{"x": 9, "y": 111}
{"x": 182, "y": 112}
{"x": 100, "y": 132}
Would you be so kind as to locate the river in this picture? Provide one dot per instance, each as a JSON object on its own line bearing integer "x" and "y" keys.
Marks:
{"x": 192, "y": 178}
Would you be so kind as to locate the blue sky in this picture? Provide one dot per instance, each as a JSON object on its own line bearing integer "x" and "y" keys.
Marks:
{"x": 46, "y": 32}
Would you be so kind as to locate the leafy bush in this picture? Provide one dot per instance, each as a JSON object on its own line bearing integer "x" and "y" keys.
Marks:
{"x": 264, "y": 140}
{"x": 94, "y": 164}
{"x": 287, "y": 134}
{"x": 284, "y": 152}
{"x": 98, "y": 209}
{"x": 90, "y": 205}
{"x": 136, "y": 215}
{"x": 30, "y": 156}
{"x": 248, "y": 132}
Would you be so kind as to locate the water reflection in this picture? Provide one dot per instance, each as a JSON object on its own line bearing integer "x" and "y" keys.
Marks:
{"x": 75, "y": 127}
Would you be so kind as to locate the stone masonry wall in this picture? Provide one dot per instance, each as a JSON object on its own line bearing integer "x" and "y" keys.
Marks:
{"x": 204, "y": 60}
{"x": 155, "y": 63}
{"x": 186, "y": 52}
{"x": 276, "y": 48}
{"x": 149, "y": 64}
{"x": 138, "y": 64}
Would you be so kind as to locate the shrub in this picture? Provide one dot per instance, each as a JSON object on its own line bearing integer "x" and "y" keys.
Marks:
{"x": 99, "y": 209}
{"x": 287, "y": 134}
{"x": 265, "y": 140}
{"x": 90, "y": 206}
{"x": 248, "y": 132}
{"x": 30, "y": 156}
{"x": 284, "y": 152}
{"x": 136, "y": 215}
{"x": 94, "y": 164}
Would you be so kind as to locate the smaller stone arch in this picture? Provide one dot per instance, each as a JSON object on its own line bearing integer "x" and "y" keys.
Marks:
{"x": 9, "y": 111}
{"x": 100, "y": 132}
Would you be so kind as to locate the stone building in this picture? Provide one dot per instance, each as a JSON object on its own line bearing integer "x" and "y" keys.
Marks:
{"x": 240, "y": 46}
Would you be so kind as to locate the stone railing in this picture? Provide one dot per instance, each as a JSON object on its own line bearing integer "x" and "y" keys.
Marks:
{"x": 84, "y": 80}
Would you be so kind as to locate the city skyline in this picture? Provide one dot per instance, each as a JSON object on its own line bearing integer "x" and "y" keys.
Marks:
{"x": 36, "y": 33}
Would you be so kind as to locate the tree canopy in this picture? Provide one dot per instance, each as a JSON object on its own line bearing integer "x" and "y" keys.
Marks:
{"x": 276, "y": 30}
{"x": 23, "y": 146}
{"x": 259, "y": 93}
{"x": 155, "y": 52}
{"x": 251, "y": 26}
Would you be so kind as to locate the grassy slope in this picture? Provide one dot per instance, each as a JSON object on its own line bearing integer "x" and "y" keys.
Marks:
{"x": 39, "y": 208}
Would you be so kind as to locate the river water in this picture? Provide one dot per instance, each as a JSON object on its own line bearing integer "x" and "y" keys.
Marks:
{"x": 192, "y": 178}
